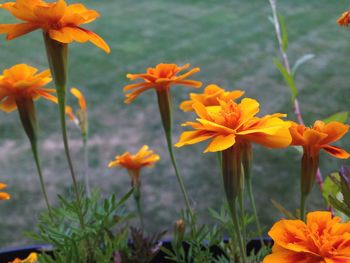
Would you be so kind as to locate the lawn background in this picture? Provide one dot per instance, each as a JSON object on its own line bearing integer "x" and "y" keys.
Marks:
{"x": 233, "y": 43}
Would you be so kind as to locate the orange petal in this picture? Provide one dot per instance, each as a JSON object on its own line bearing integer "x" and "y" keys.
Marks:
{"x": 77, "y": 93}
{"x": 249, "y": 108}
{"x": 335, "y": 131}
{"x": 2, "y": 186}
{"x": 290, "y": 234}
{"x": 186, "y": 105}
{"x": 52, "y": 13}
{"x": 313, "y": 137}
{"x": 287, "y": 256}
{"x": 280, "y": 139}
{"x": 189, "y": 73}
{"x": 70, "y": 114}
{"x": 190, "y": 83}
{"x": 97, "y": 41}
{"x": 220, "y": 143}
{"x": 47, "y": 95}
{"x": 192, "y": 137}
{"x": 15, "y": 30}
{"x": 8, "y": 104}
{"x": 201, "y": 111}
{"x": 336, "y": 152}
{"x": 4, "y": 196}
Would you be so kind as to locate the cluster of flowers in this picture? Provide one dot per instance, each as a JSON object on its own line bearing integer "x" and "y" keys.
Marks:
{"x": 232, "y": 127}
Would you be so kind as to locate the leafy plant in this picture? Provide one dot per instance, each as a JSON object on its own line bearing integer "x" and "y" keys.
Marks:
{"x": 342, "y": 181}
{"x": 104, "y": 233}
{"x": 144, "y": 248}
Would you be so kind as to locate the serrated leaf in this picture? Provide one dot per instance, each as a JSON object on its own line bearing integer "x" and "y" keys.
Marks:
{"x": 330, "y": 187}
{"x": 339, "y": 205}
{"x": 288, "y": 78}
{"x": 301, "y": 61}
{"x": 340, "y": 116}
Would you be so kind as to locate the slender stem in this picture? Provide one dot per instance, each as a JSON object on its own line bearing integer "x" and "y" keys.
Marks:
{"x": 242, "y": 216}
{"x": 57, "y": 54}
{"x": 297, "y": 109}
{"x": 252, "y": 202}
{"x": 27, "y": 114}
{"x": 41, "y": 178}
{"x": 86, "y": 167}
{"x": 137, "y": 196}
{"x": 178, "y": 175}
{"x": 238, "y": 232}
{"x": 62, "y": 107}
{"x": 165, "y": 109}
{"x": 247, "y": 162}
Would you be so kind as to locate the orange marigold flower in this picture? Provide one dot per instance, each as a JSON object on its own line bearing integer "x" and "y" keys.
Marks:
{"x": 22, "y": 82}
{"x": 3, "y": 195}
{"x": 133, "y": 163}
{"x": 60, "y": 21}
{"x": 319, "y": 136}
{"x": 32, "y": 258}
{"x": 231, "y": 123}
{"x": 210, "y": 97}
{"x": 344, "y": 19}
{"x": 322, "y": 239}
{"x": 160, "y": 78}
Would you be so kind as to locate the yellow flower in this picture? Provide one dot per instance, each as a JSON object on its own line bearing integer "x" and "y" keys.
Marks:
{"x": 60, "y": 21}
{"x": 231, "y": 123}
{"x": 3, "y": 195}
{"x": 32, "y": 258}
{"x": 322, "y": 239}
{"x": 210, "y": 97}
{"x": 344, "y": 19}
{"x": 133, "y": 163}
{"x": 22, "y": 82}
{"x": 160, "y": 78}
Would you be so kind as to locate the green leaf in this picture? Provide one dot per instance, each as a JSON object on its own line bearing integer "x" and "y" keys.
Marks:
{"x": 340, "y": 116}
{"x": 301, "y": 61}
{"x": 339, "y": 205}
{"x": 284, "y": 32}
{"x": 289, "y": 79}
{"x": 330, "y": 187}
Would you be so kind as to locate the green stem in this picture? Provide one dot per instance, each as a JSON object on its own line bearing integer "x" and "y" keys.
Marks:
{"x": 27, "y": 113}
{"x": 238, "y": 232}
{"x": 164, "y": 102}
{"x": 41, "y": 177}
{"x": 247, "y": 160}
{"x": 256, "y": 217}
{"x": 57, "y": 54}
{"x": 242, "y": 216}
{"x": 137, "y": 196}
{"x": 86, "y": 167}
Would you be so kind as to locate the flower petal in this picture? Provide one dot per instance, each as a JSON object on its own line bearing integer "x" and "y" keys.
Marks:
{"x": 335, "y": 131}
{"x": 220, "y": 143}
{"x": 15, "y": 30}
{"x": 8, "y": 104}
{"x": 192, "y": 137}
{"x": 336, "y": 152}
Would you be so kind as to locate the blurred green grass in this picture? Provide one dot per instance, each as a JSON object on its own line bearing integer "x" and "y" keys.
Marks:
{"x": 233, "y": 43}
